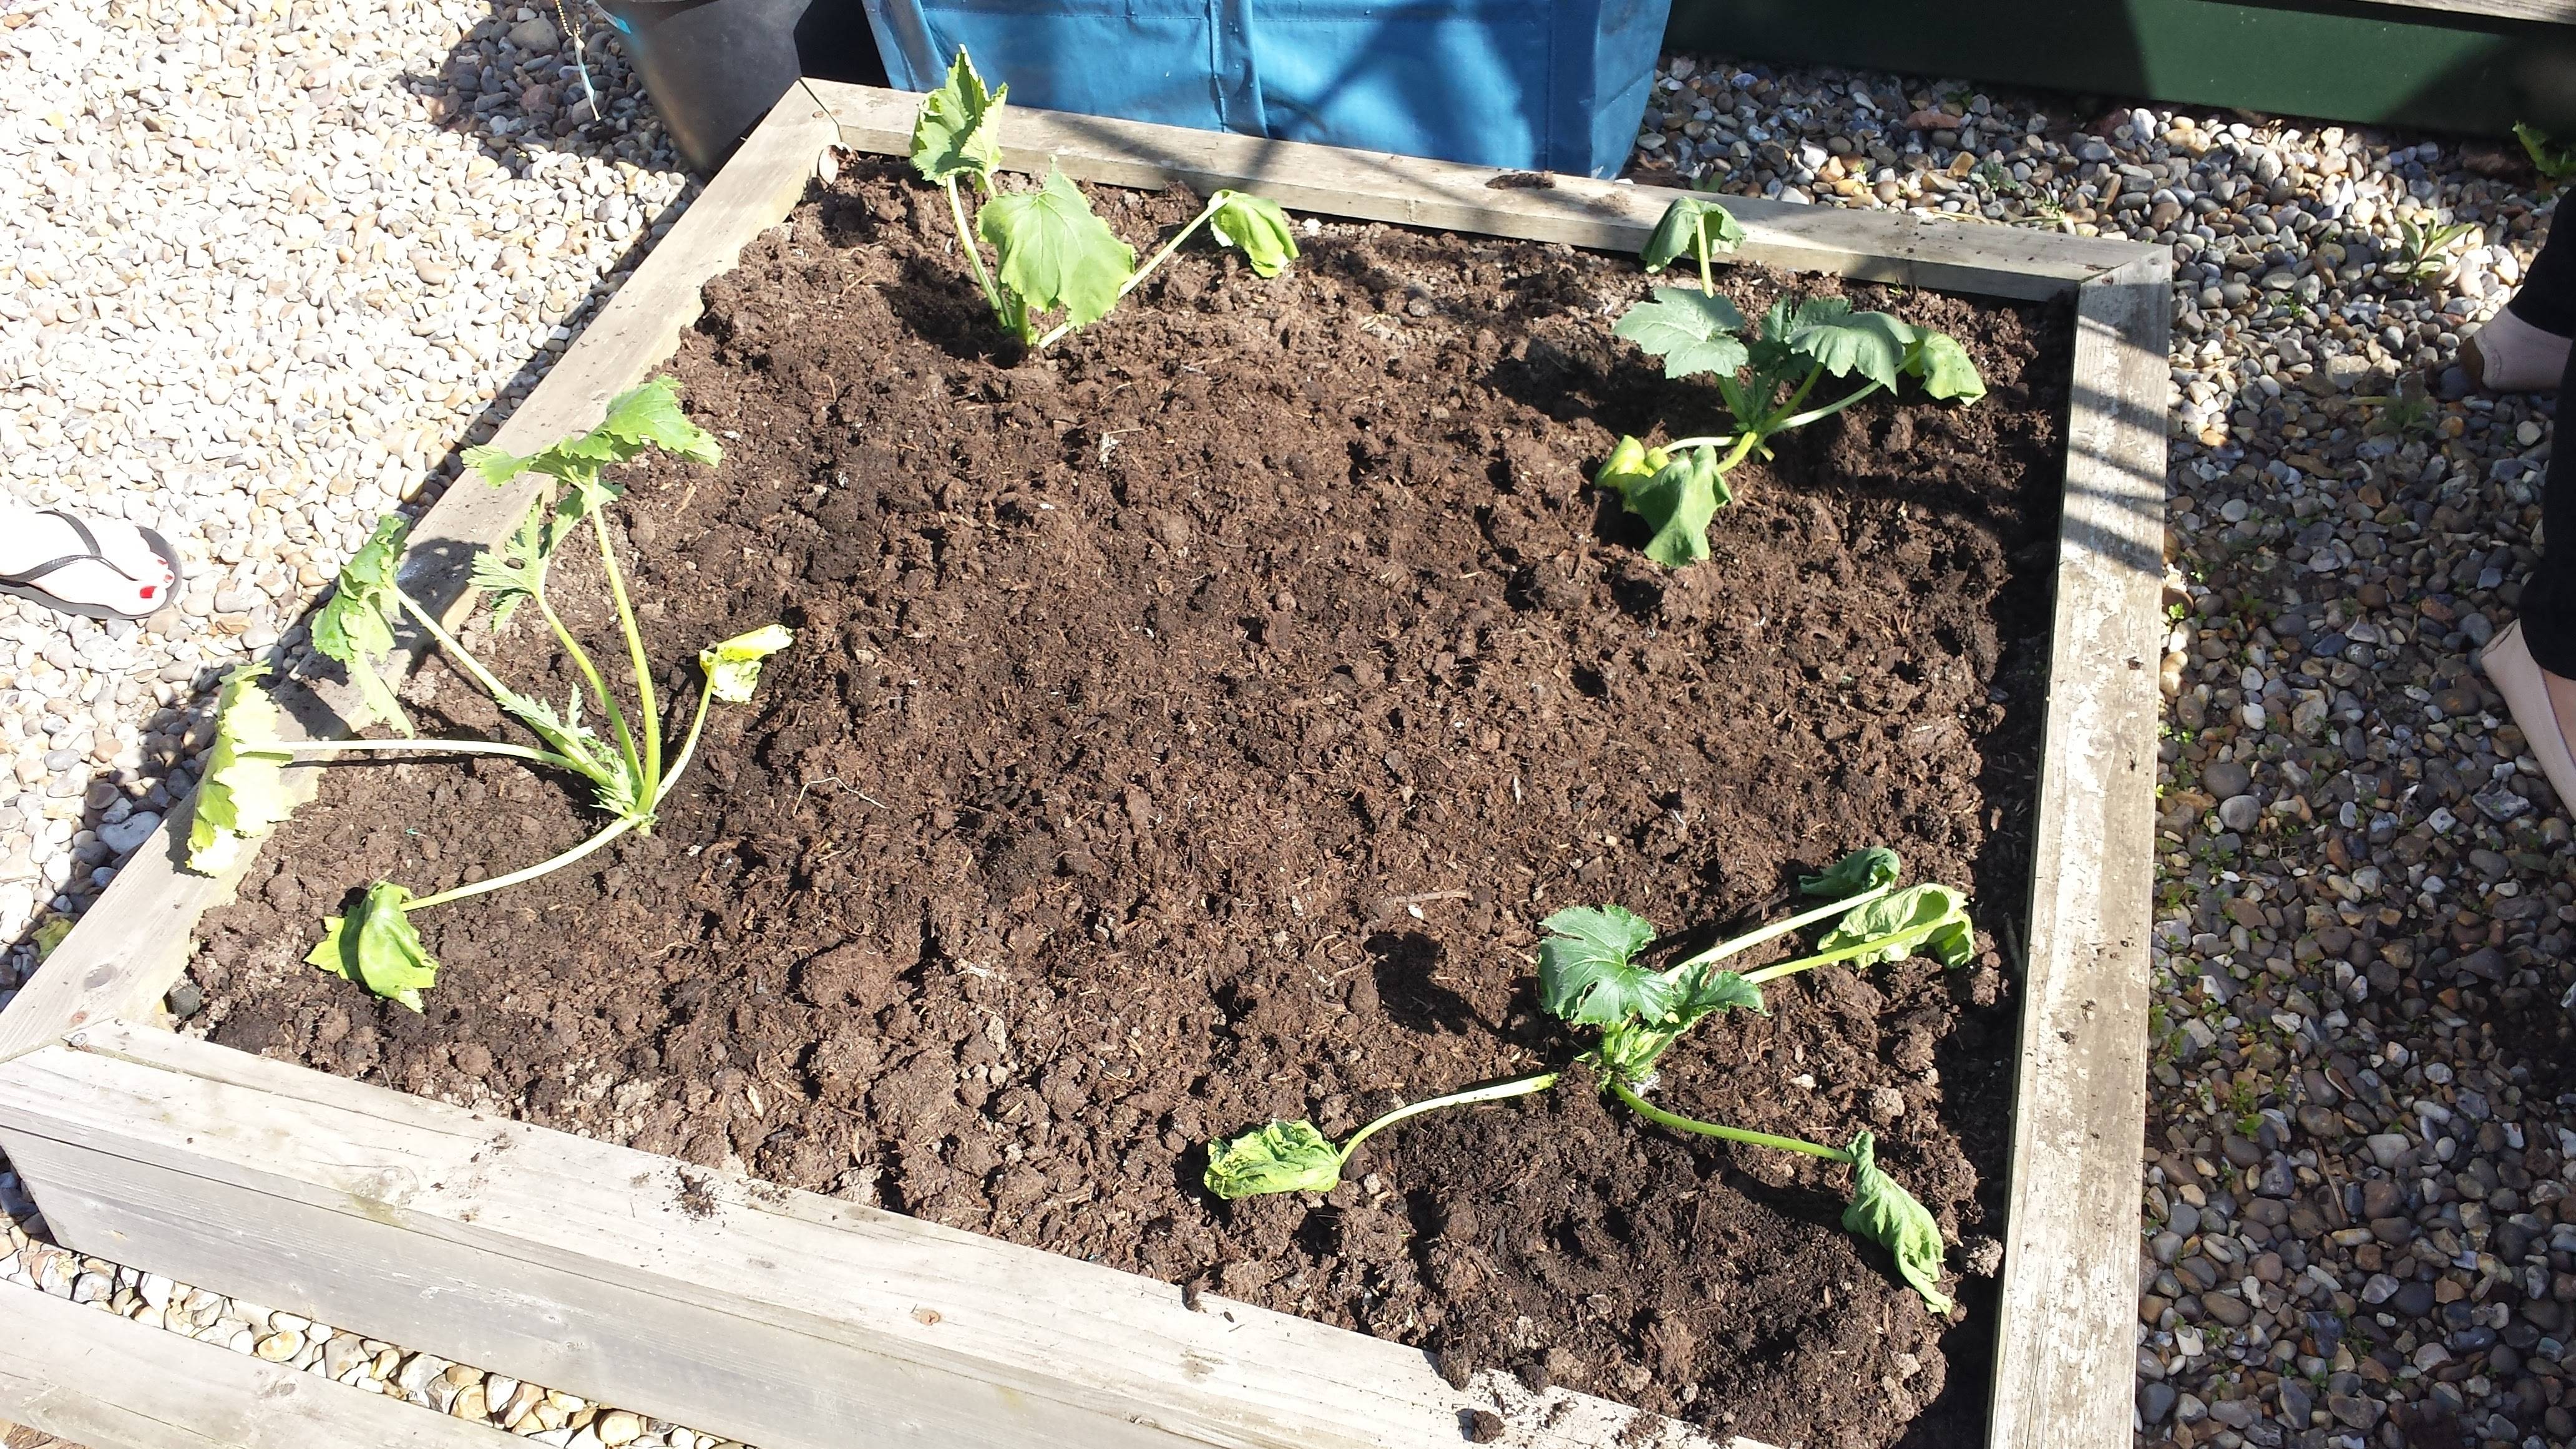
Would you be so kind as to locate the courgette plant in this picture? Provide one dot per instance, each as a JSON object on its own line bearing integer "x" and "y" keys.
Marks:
{"x": 1590, "y": 976}
{"x": 1764, "y": 373}
{"x": 1050, "y": 249}
{"x": 243, "y": 796}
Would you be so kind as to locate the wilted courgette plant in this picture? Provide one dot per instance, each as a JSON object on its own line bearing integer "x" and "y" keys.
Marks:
{"x": 243, "y": 797}
{"x": 1590, "y": 976}
{"x": 1050, "y": 250}
{"x": 1764, "y": 372}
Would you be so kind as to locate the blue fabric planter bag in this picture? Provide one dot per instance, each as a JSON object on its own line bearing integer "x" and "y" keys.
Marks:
{"x": 1553, "y": 85}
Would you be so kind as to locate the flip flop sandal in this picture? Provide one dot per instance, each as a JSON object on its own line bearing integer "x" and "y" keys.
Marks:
{"x": 23, "y": 585}
{"x": 2510, "y": 355}
{"x": 2508, "y": 665}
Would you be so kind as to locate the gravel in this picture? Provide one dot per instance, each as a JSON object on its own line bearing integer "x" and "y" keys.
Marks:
{"x": 264, "y": 269}
{"x": 2356, "y": 1225}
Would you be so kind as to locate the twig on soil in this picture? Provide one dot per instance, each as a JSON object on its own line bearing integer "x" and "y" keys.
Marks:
{"x": 846, "y": 788}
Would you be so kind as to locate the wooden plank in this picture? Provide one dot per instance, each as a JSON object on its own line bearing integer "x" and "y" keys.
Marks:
{"x": 2066, "y": 1359}
{"x": 133, "y": 943}
{"x": 2546, "y": 12}
{"x": 1880, "y": 246}
{"x": 106, "y": 1383}
{"x": 731, "y": 1305}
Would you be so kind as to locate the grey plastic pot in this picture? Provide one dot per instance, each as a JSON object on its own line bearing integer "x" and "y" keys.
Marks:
{"x": 713, "y": 68}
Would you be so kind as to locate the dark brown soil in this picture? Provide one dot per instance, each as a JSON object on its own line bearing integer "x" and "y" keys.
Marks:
{"x": 1188, "y": 726}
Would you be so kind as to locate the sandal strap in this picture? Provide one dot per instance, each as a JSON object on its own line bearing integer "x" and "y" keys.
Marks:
{"x": 53, "y": 565}
{"x": 89, "y": 540}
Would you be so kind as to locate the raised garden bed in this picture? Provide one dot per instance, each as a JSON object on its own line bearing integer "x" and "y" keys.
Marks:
{"x": 1128, "y": 800}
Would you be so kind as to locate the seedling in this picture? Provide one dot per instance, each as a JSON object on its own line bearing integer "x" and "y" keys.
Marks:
{"x": 1694, "y": 227}
{"x": 2424, "y": 249}
{"x": 1051, "y": 252}
{"x": 2406, "y": 413}
{"x": 1591, "y": 976}
{"x": 1765, "y": 375}
{"x": 243, "y": 796}
{"x": 2554, "y": 162}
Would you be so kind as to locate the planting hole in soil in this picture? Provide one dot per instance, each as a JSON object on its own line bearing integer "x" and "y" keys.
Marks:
{"x": 1191, "y": 718}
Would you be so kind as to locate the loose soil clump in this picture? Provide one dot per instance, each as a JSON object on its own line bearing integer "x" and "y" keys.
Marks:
{"x": 1188, "y": 726}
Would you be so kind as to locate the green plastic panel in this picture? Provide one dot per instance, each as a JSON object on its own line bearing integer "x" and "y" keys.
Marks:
{"x": 2432, "y": 69}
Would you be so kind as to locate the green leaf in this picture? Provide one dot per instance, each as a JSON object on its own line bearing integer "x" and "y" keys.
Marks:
{"x": 956, "y": 132}
{"x": 1586, "y": 970}
{"x": 646, "y": 416}
{"x": 1259, "y": 227}
{"x": 1926, "y": 915}
{"x": 2553, "y": 161}
{"x": 1629, "y": 464}
{"x": 1953, "y": 941}
{"x": 1769, "y": 347}
{"x": 516, "y": 569}
{"x": 1690, "y": 330}
{"x": 1055, "y": 252}
{"x": 1676, "y": 237}
{"x": 1863, "y": 870}
{"x": 733, "y": 667}
{"x": 1886, "y": 1214}
{"x": 376, "y": 947}
{"x": 649, "y": 416}
{"x": 1706, "y": 988}
{"x": 356, "y": 628}
{"x": 1943, "y": 364}
{"x": 1677, "y": 501}
{"x": 242, "y": 796}
{"x": 1827, "y": 331}
{"x": 1281, "y": 1157}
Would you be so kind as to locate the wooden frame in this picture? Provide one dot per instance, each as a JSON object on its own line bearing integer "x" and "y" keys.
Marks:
{"x": 791, "y": 1320}
{"x": 100, "y": 1382}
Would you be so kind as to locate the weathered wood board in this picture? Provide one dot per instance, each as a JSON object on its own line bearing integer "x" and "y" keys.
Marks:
{"x": 785, "y": 1318}
{"x": 101, "y": 1382}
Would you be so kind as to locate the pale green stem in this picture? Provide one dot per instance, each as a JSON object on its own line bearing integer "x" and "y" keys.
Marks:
{"x": 1499, "y": 1091}
{"x": 598, "y": 685}
{"x": 503, "y": 882}
{"x": 1745, "y": 443}
{"x": 1720, "y": 440}
{"x": 1775, "y": 424}
{"x": 1137, "y": 278}
{"x": 974, "y": 258}
{"x": 651, "y": 783}
{"x": 688, "y": 749}
{"x": 1907, "y": 937}
{"x": 1679, "y": 1123}
{"x": 1699, "y": 228}
{"x": 432, "y": 747}
{"x": 474, "y": 666}
{"x": 448, "y": 642}
{"x": 1802, "y": 419}
{"x": 1777, "y": 929}
{"x": 1141, "y": 273}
